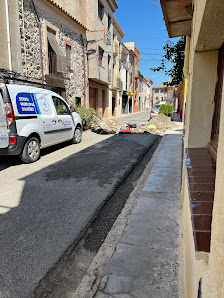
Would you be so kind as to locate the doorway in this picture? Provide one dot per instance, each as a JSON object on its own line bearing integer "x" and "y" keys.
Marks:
{"x": 130, "y": 105}
{"x": 92, "y": 97}
{"x": 124, "y": 104}
{"x": 113, "y": 105}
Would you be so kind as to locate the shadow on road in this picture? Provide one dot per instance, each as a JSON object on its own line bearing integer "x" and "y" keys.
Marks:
{"x": 56, "y": 206}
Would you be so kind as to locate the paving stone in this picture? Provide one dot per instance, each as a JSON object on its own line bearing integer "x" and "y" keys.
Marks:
{"x": 101, "y": 295}
{"x": 163, "y": 183}
{"x": 143, "y": 289}
{"x": 138, "y": 233}
{"x": 122, "y": 296}
{"x": 103, "y": 283}
{"x": 154, "y": 210}
{"x": 130, "y": 260}
{"x": 118, "y": 284}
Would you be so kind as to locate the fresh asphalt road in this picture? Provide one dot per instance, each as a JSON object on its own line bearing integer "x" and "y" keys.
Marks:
{"x": 46, "y": 205}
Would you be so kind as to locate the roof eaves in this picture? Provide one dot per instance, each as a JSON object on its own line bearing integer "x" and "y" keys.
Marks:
{"x": 171, "y": 23}
{"x": 66, "y": 13}
{"x": 117, "y": 25}
{"x": 162, "y": 3}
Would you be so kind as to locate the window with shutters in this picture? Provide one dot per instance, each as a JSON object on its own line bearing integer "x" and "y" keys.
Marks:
{"x": 100, "y": 10}
{"x": 52, "y": 56}
{"x": 68, "y": 55}
{"x": 57, "y": 61}
{"x": 100, "y": 57}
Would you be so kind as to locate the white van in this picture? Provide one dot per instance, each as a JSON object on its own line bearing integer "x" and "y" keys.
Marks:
{"x": 34, "y": 118}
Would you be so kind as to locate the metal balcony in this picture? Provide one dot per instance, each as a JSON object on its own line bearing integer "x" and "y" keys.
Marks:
{"x": 108, "y": 38}
{"x": 109, "y": 75}
{"x": 115, "y": 49}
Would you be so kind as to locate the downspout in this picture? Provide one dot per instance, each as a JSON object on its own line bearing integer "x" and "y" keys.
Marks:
{"x": 84, "y": 64}
{"x": 8, "y": 34}
{"x": 40, "y": 35}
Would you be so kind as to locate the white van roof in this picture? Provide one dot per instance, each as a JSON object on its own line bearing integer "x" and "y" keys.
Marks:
{"x": 26, "y": 88}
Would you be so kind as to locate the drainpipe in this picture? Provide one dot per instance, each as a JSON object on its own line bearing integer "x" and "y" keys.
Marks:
{"x": 8, "y": 34}
{"x": 84, "y": 64}
{"x": 40, "y": 36}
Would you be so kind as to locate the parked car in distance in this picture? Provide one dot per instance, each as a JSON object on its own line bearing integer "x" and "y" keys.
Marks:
{"x": 33, "y": 118}
{"x": 155, "y": 111}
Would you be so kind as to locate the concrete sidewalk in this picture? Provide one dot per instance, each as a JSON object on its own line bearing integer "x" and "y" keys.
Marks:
{"x": 140, "y": 257}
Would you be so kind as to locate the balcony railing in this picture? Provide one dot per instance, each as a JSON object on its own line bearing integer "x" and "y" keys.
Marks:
{"x": 58, "y": 65}
{"x": 109, "y": 75}
{"x": 116, "y": 49}
{"x": 108, "y": 38}
{"x": 118, "y": 83}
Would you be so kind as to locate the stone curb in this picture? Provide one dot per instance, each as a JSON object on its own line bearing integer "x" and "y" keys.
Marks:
{"x": 91, "y": 281}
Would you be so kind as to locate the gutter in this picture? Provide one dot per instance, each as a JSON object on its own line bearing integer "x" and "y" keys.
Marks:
{"x": 84, "y": 65}
{"x": 8, "y": 35}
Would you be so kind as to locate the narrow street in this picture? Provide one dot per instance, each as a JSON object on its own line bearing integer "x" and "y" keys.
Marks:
{"x": 46, "y": 206}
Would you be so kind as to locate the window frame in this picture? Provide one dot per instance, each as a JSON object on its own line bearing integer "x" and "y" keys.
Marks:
{"x": 68, "y": 59}
{"x": 100, "y": 56}
{"x": 100, "y": 10}
{"x": 109, "y": 21}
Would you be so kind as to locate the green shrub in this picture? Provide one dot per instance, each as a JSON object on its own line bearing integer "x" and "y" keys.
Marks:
{"x": 86, "y": 114}
{"x": 166, "y": 110}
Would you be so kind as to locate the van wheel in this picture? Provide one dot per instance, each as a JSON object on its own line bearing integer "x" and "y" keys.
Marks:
{"x": 77, "y": 138}
{"x": 31, "y": 151}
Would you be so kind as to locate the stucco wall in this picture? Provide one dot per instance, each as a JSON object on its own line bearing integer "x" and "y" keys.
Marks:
{"x": 200, "y": 95}
{"x": 14, "y": 36}
{"x": 97, "y": 72}
{"x": 104, "y": 107}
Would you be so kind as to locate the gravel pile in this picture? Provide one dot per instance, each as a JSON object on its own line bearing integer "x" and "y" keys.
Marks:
{"x": 158, "y": 125}
{"x": 106, "y": 126}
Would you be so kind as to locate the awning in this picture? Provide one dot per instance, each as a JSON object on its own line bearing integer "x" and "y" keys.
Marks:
{"x": 178, "y": 16}
{"x": 61, "y": 59}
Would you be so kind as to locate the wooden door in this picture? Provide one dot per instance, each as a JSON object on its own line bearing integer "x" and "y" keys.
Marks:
{"x": 92, "y": 97}
{"x": 113, "y": 106}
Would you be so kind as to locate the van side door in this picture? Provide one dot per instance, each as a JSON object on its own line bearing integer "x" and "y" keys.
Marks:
{"x": 48, "y": 119}
{"x": 65, "y": 122}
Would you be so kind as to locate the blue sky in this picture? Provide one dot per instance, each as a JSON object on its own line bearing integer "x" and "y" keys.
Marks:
{"x": 142, "y": 22}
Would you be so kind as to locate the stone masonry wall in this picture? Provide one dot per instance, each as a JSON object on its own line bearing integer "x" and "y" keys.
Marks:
{"x": 75, "y": 85}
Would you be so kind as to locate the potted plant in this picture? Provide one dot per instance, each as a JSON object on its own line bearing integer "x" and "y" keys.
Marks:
{"x": 86, "y": 116}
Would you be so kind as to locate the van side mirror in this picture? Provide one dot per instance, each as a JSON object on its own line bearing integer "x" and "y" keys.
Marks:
{"x": 72, "y": 109}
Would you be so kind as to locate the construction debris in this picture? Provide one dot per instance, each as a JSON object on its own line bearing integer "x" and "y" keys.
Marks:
{"x": 158, "y": 125}
{"x": 106, "y": 126}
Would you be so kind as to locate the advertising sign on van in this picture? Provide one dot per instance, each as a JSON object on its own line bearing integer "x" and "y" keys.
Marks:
{"x": 27, "y": 104}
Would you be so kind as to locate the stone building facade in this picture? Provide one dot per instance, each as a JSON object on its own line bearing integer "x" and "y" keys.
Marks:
{"x": 53, "y": 47}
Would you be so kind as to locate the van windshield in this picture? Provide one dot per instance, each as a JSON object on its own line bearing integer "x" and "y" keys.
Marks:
{"x": 157, "y": 106}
